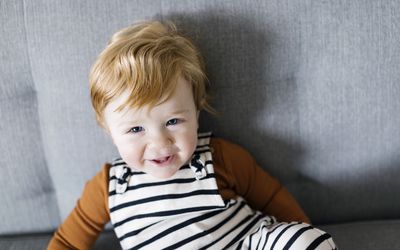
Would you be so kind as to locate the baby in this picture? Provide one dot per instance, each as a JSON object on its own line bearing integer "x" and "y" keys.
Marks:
{"x": 174, "y": 187}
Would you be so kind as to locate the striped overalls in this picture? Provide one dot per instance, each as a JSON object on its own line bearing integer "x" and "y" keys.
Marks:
{"x": 187, "y": 212}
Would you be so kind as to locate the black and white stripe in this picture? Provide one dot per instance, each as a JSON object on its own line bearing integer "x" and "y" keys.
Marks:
{"x": 187, "y": 212}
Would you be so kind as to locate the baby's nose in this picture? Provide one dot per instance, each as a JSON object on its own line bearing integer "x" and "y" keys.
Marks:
{"x": 161, "y": 140}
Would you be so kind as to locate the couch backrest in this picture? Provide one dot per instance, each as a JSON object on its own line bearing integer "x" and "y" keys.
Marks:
{"x": 310, "y": 88}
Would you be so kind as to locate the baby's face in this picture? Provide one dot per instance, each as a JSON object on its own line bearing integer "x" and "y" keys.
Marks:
{"x": 157, "y": 141}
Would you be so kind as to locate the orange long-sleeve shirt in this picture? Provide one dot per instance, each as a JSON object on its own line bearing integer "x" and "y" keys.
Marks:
{"x": 237, "y": 174}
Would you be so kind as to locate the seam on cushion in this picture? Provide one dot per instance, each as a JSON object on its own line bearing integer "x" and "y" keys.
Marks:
{"x": 52, "y": 190}
{"x": 28, "y": 54}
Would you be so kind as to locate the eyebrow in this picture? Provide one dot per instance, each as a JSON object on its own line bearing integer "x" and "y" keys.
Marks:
{"x": 177, "y": 112}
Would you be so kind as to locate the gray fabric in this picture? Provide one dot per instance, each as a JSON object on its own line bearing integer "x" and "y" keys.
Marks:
{"x": 382, "y": 235}
{"x": 39, "y": 241}
{"x": 27, "y": 197}
{"x": 310, "y": 88}
{"x": 25, "y": 242}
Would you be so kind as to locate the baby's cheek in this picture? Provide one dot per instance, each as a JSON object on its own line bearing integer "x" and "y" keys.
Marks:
{"x": 131, "y": 156}
{"x": 190, "y": 144}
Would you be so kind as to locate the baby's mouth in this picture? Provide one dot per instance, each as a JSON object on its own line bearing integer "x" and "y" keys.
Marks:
{"x": 161, "y": 160}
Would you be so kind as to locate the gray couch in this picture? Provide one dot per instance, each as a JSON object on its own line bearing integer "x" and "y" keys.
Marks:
{"x": 310, "y": 88}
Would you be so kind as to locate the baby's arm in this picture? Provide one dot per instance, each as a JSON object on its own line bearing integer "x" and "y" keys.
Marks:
{"x": 261, "y": 191}
{"x": 84, "y": 224}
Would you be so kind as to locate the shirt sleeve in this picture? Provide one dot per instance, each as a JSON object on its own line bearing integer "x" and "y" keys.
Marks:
{"x": 86, "y": 221}
{"x": 261, "y": 191}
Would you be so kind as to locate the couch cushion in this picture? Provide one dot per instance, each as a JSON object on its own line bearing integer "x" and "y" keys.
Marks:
{"x": 25, "y": 242}
{"x": 382, "y": 235}
{"x": 39, "y": 241}
{"x": 27, "y": 196}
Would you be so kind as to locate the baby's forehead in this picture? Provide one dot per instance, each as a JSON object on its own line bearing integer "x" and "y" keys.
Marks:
{"x": 124, "y": 103}
{"x": 147, "y": 98}
{"x": 121, "y": 108}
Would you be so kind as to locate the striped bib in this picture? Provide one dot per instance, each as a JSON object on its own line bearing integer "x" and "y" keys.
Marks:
{"x": 185, "y": 211}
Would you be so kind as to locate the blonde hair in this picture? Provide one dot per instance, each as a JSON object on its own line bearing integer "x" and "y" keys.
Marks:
{"x": 146, "y": 60}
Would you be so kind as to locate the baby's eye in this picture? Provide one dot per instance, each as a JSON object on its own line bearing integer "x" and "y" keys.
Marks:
{"x": 173, "y": 122}
{"x": 136, "y": 129}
